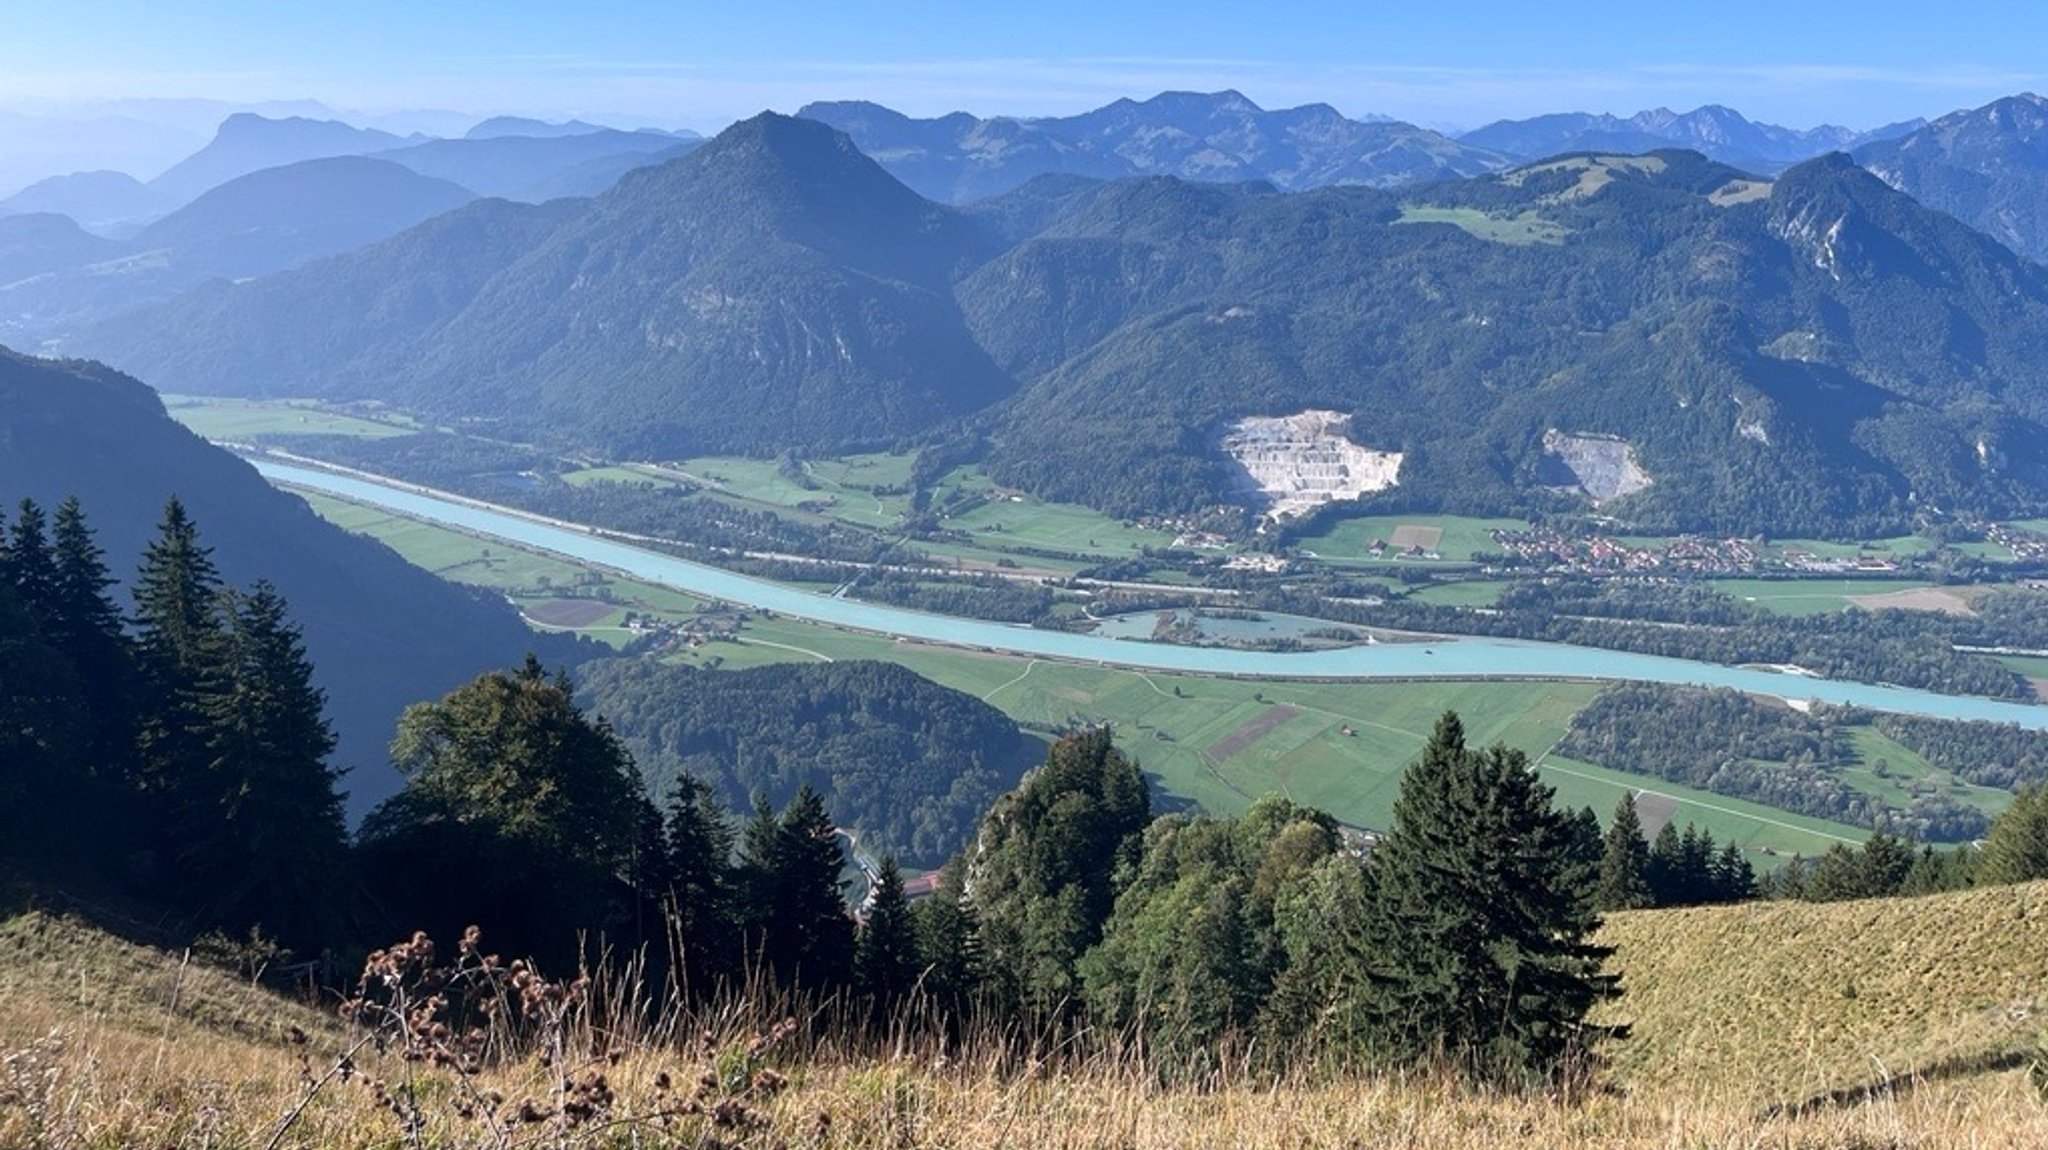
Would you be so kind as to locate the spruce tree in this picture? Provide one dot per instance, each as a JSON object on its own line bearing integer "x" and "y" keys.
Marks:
{"x": 1480, "y": 947}
{"x": 2016, "y": 848}
{"x": 181, "y": 648}
{"x": 791, "y": 865}
{"x": 88, "y": 627}
{"x": 886, "y": 962}
{"x": 1624, "y": 861}
{"x": 1734, "y": 879}
{"x": 817, "y": 940}
{"x": 700, "y": 893}
{"x": 1584, "y": 852}
{"x": 268, "y": 843}
{"x": 32, "y": 565}
{"x": 1667, "y": 871}
{"x": 949, "y": 945}
{"x": 42, "y": 741}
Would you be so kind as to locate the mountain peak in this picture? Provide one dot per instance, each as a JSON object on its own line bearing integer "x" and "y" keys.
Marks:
{"x": 787, "y": 138}
{"x": 498, "y": 126}
{"x": 1227, "y": 100}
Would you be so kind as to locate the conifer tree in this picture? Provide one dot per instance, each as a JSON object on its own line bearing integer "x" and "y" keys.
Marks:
{"x": 88, "y": 628}
{"x": 2016, "y": 848}
{"x": 181, "y": 649}
{"x": 42, "y": 737}
{"x": 1481, "y": 948}
{"x": 700, "y": 894}
{"x": 1667, "y": 871}
{"x": 886, "y": 962}
{"x": 949, "y": 945}
{"x": 796, "y": 902}
{"x": 1734, "y": 880}
{"x": 1584, "y": 850}
{"x": 32, "y": 565}
{"x": 1624, "y": 861}
{"x": 266, "y": 841}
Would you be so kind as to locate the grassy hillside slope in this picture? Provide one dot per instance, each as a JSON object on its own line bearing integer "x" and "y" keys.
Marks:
{"x": 1786, "y": 1002}
{"x": 1747, "y": 1034}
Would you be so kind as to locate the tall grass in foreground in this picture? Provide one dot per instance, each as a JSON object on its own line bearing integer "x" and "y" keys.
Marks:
{"x": 503, "y": 1057}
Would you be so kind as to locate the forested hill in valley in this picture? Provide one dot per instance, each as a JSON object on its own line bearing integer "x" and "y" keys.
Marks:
{"x": 1670, "y": 340}
{"x": 904, "y": 763}
{"x": 382, "y": 633}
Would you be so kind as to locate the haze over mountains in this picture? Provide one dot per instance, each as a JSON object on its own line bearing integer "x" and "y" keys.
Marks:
{"x": 252, "y": 225}
{"x": 1215, "y": 137}
{"x": 1812, "y": 353}
{"x": 1717, "y": 132}
{"x": 1124, "y": 285}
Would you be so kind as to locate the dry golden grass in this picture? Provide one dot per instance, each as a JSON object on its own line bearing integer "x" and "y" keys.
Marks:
{"x": 1741, "y": 1013}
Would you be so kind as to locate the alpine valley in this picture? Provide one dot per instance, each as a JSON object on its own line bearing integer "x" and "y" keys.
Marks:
{"x": 1673, "y": 341}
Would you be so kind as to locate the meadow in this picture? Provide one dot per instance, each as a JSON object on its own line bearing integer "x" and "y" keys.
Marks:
{"x": 1903, "y": 1024}
{"x": 1350, "y": 540}
{"x": 246, "y": 419}
{"x": 1809, "y": 596}
{"x": 1518, "y": 230}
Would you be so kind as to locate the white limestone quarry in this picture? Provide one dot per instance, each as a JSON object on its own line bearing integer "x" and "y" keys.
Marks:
{"x": 1605, "y": 465}
{"x": 1296, "y": 463}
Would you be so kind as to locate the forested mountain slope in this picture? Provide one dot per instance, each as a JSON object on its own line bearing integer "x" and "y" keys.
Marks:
{"x": 1985, "y": 166}
{"x": 1663, "y": 337}
{"x": 381, "y": 632}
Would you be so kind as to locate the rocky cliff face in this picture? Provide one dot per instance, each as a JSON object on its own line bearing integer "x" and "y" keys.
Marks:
{"x": 1296, "y": 463}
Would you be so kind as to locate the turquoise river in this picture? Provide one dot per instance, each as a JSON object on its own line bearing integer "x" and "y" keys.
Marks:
{"x": 1462, "y": 658}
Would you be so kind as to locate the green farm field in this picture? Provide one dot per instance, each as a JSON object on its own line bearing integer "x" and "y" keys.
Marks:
{"x": 1464, "y": 593}
{"x": 244, "y": 419}
{"x": 1349, "y": 540}
{"x": 1809, "y": 596}
{"x": 1904, "y": 771}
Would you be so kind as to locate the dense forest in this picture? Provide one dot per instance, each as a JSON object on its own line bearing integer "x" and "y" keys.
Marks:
{"x": 904, "y": 763}
{"x": 1737, "y": 745}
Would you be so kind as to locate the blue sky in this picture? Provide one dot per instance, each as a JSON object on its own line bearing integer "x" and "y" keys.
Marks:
{"x": 686, "y": 63}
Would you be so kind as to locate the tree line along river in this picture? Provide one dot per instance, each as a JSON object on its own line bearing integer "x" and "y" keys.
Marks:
{"x": 1450, "y": 658}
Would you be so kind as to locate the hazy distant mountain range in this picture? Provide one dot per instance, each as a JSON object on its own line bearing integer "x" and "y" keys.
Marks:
{"x": 1716, "y": 132}
{"x": 1808, "y": 354}
{"x": 1099, "y": 295}
{"x": 55, "y": 277}
{"x": 516, "y": 159}
{"x": 1217, "y": 137}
